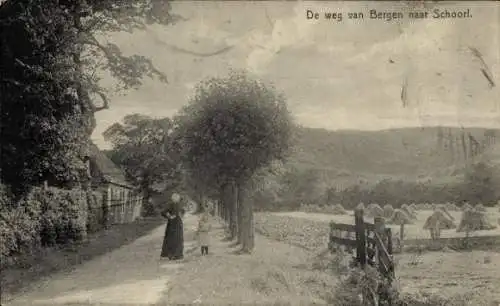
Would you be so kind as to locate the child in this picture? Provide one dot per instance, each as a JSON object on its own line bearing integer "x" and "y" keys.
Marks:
{"x": 204, "y": 228}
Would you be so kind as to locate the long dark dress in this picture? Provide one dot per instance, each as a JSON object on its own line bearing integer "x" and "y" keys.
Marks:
{"x": 173, "y": 241}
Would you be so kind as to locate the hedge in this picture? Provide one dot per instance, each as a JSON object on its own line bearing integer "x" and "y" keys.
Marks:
{"x": 42, "y": 218}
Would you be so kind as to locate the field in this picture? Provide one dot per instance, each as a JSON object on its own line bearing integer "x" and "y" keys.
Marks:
{"x": 448, "y": 273}
{"x": 412, "y": 231}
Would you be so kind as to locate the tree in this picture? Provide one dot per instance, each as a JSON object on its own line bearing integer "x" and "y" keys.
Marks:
{"x": 145, "y": 148}
{"x": 300, "y": 186}
{"x": 42, "y": 123}
{"x": 48, "y": 58}
{"x": 479, "y": 184}
{"x": 232, "y": 127}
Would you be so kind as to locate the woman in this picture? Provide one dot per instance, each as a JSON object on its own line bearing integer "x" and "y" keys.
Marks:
{"x": 173, "y": 242}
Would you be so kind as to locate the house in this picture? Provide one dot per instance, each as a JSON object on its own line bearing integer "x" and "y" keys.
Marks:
{"x": 120, "y": 201}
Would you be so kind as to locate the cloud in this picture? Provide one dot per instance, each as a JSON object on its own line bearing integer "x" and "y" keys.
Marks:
{"x": 285, "y": 32}
{"x": 335, "y": 75}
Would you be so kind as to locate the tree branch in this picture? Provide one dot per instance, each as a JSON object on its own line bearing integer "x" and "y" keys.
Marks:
{"x": 104, "y": 100}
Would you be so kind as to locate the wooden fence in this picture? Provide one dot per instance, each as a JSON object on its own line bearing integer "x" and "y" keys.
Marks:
{"x": 372, "y": 242}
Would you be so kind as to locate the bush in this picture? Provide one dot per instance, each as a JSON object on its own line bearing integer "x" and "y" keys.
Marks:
{"x": 351, "y": 287}
{"x": 64, "y": 215}
{"x": 349, "y": 290}
{"x": 41, "y": 218}
{"x": 476, "y": 187}
{"x": 19, "y": 232}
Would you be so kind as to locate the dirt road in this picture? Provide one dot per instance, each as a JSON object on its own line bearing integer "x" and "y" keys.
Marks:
{"x": 132, "y": 274}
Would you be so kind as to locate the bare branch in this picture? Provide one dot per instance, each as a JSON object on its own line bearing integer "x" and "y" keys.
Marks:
{"x": 104, "y": 100}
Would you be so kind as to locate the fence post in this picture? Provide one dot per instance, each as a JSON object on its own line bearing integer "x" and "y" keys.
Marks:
{"x": 360, "y": 237}
{"x": 388, "y": 232}
{"x": 106, "y": 208}
{"x": 331, "y": 245}
{"x": 389, "y": 250}
{"x": 380, "y": 231}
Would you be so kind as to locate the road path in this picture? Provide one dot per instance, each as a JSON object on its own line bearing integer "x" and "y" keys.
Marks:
{"x": 132, "y": 274}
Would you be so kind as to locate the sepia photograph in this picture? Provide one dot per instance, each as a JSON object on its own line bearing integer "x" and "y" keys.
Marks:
{"x": 158, "y": 152}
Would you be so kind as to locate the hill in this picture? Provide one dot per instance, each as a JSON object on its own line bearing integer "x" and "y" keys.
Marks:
{"x": 346, "y": 157}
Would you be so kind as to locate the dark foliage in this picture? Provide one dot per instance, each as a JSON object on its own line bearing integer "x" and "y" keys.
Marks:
{"x": 232, "y": 127}
{"x": 43, "y": 123}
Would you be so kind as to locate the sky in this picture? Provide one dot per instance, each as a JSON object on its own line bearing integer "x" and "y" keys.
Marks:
{"x": 335, "y": 74}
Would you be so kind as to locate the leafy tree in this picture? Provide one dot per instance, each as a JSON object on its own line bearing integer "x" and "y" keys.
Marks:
{"x": 42, "y": 123}
{"x": 300, "y": 186}
{"x": 145, "y": 148}
{"x": 479, "y": 184}
{"x": 233, "y": 127}
{"x": 50, "y": 89}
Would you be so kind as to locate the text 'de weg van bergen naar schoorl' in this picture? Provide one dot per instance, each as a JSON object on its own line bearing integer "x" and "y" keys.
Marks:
{"x": 372, "y": 14}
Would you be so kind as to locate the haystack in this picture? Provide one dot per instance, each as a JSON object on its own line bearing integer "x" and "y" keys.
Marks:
{"x": 421, "y": 206}
{"x": 445, "y": 223}
{"x": 338, "y": 209}
{"x": 360, "y": 206}
{"x": 374, "y": 210}
{"x": 466, "y": 206}
{"x": 444, "y": 209}
{"x": 451, "y": 207}
{"x": 413, "y": 207}
{"x": 388, "y": 211}
{"x": 480, "y": 207}
{"x": 401, "y": 218}
{"x": 411, "y": 214}
{"x": 473, "y": 220}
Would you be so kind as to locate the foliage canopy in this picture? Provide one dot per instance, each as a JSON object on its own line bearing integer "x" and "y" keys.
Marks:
{"x": 232, "y": 127}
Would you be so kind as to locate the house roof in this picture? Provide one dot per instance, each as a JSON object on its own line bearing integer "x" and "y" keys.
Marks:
{"x": 109, "y": 170}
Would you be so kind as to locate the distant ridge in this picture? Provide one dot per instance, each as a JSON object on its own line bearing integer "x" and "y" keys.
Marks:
{"x": 348, "y": 156}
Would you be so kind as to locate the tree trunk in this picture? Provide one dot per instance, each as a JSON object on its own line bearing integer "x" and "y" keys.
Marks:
{"x": 225, "y": 207}
{"x": 248, "y": 238}
{"x": 240, "y": 197}
{"x": 401, "y": 235}
{"x": 220, "y": 210}
{"x": 232, "y": 203}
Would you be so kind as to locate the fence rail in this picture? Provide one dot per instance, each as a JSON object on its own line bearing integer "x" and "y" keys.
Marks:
{"x": 372, "y": 242}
